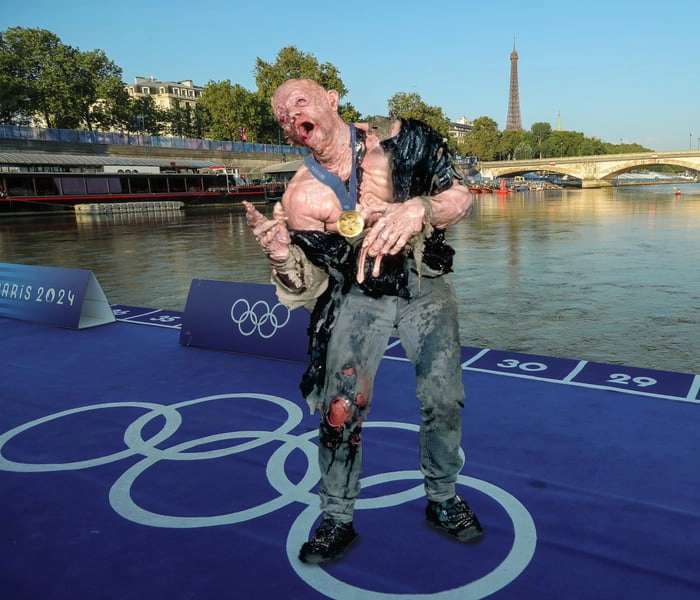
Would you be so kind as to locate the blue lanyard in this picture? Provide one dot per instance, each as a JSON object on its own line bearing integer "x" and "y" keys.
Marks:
{"x": 347, "y": 200}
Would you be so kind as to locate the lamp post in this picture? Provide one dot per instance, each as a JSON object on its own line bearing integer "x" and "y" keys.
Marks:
{"x": 690, "y": 143}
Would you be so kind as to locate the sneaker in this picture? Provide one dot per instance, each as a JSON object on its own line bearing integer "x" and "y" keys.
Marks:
{"x": 330, "y": 541}
{"x": 456, "y": 518}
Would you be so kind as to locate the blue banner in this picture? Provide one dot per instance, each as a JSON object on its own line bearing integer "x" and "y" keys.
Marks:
{"x": 69, "y": 298}
{"x": 243, "y": 317}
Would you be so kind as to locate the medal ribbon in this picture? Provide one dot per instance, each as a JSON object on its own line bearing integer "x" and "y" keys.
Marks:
{"x": 348, "y": 200}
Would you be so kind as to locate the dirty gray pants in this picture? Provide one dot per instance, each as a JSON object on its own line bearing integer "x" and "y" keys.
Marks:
{"x": 428, "y": 327}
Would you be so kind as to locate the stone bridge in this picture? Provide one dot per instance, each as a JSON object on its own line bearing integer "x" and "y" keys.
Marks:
{"x": 593, "y": 171}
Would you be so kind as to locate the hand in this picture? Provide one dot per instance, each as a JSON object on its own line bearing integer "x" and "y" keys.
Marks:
{"x": 390, "y": 233}
{"x": 272, "y": 234}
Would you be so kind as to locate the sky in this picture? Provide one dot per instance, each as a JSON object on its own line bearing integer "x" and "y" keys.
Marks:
{"x": 617, "y": 70}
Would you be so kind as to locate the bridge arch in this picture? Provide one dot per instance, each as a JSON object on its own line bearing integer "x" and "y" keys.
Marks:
{"x": 593, "y": 171}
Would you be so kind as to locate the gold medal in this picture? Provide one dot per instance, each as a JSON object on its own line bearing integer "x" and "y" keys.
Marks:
{"x": 350, "y": 223}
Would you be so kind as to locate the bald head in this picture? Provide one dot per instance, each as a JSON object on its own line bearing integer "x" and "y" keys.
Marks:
{"x": 307, "y": 112}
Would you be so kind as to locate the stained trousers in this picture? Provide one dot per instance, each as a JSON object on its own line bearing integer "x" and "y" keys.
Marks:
{"x": 427, "y": 325}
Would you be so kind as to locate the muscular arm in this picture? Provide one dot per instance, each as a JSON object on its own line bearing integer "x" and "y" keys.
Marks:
{"x": 297, "y": 281}
{"x": 450, "y": 206}
{"x": 308, "y": 204}
{"x": 401, "y": 221}
{"x": 392, "y": 225}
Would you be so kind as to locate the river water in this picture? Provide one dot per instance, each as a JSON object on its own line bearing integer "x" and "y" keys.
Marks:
{"x": 608, "y": 275}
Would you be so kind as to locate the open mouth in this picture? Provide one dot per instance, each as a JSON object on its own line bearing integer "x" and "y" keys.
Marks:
{"x": 304, "y": 130}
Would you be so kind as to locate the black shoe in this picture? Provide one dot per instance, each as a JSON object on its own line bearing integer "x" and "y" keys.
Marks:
{"x": 456, "y": 518}
{"x": 330, "y": 541}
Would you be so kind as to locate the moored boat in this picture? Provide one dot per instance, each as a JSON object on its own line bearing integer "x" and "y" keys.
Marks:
{"x": 37, "y": 192}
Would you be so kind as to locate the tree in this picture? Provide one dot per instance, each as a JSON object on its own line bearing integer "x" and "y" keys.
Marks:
{"x": 511, "y": 140}
{"x": 349, "y": 113}
{"x": 114, "y": 109}
{"x": 46, "y": 82}
{"x": 482, "y": 140}
{"x": 537, "y": 137}
{"x": 411, "y": 106}
{"x": 187, "y": 121}
{"x": 23, "y": 56}
{"x": 291, "y": 63}
{"x": 591, "y": 147}
{"x": 294, "y": 64}
{"x": 61, "y": 78}
{"x": 562, "y": 143}
{"x": 145, "y": 117}
{"x": 230, "y": 108}
{"x": 201, "y": 120}
{"x": 94, "y": 78}
{"x": 12, "y": 101}
{"x": 523, "y": 151}
{"x": 52, "y": 82}
{"x": 624, "y": 148}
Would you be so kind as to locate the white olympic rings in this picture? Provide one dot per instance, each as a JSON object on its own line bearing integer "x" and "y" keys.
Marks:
{"x": 259, "y": 317}
{"x": 121, "y": 500}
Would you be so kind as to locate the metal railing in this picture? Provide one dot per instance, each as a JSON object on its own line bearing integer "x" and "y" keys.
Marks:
{"x": 75, "y": 136}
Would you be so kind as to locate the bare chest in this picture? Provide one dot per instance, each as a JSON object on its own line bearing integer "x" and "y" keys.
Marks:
{"x": 312, "y": 204}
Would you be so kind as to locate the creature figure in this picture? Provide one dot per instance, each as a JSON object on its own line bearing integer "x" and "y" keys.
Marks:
{"x": 359, "y": 239}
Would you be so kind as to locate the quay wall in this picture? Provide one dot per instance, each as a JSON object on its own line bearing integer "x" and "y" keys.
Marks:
{"x": 249, "y": 162}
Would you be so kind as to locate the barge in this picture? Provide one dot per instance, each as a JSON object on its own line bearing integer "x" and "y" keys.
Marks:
{"x": 62, "y": 192}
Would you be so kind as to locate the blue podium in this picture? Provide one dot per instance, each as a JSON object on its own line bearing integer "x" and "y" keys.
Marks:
{"x": 245, "y": 318}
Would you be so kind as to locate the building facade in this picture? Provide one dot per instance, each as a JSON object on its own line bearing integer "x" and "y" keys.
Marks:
{"x": 166, "y": 94}
{"x": 459, "y": 129}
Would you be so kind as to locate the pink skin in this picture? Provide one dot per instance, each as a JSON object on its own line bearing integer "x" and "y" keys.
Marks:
{"x": 309, "y": 117}
{"x": 272, "y": 234}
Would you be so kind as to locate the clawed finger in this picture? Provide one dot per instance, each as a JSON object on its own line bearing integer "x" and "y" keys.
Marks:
{"x": 262, "y": 229}
{"x": 361, "y": 265}
{"x": 377, "y": 265}
{"x": 362, "y": 260}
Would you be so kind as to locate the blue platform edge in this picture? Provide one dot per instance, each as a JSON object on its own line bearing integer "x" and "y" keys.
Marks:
{"x": 669, "y": 385}
{"x": 135, "y": 466}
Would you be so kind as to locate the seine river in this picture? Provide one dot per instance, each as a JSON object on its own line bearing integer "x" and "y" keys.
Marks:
{"x": 603, "y": 275}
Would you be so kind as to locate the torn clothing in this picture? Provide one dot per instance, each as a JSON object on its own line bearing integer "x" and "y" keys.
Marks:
{"x": 362, "y": 327}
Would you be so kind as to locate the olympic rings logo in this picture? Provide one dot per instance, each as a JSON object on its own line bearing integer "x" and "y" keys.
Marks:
{"x": 259, "y": 317}
{"x": 153, "y": 451}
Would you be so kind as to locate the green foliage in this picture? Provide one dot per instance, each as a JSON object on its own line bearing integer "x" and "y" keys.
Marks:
{"x": 23, "y": 56}
{"x": 512, "y": 144}
{"x": 229, "y": 108}
{"x": 292, "y": 63}
{"x": 51, "y": 82}
{"x": 145, "y": 116}
{"x": 411, "y": 106}
{"x": 535, "y": 138}
{"x": 349, "y": 113}
{"x": 46, "y": 82}
{"x": 482, "y": 140}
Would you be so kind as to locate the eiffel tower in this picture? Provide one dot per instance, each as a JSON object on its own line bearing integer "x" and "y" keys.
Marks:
{"x": 513, "y": 121}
